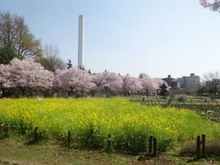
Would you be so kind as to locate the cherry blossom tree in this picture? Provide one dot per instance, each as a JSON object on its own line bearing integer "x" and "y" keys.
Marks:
{"x": 147, "y": 86}
{"x": 26, "y": 74}
{"x": 131, "y": 85}
{"x": 151, "y": 85}
{"x": 107, "y": 81}
{"x": 57, "y": 83}
{"x": 57, "y": 78}
{"x": 73, "y": 79}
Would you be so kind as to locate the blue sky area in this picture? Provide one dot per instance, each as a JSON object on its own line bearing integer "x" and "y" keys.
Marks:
{"x": 157, "y": 37}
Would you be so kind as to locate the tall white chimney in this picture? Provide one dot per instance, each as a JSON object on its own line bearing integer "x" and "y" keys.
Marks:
{"x": 81, "y": 41}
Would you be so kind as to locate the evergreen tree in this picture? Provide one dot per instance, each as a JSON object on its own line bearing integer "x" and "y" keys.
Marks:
{"x": 89, "y": 72}
{"x": 82, "y": 68}
{"x": 6, "y": 55}
{"x": 69, "y": 64}
{"x": 163, "y": 90}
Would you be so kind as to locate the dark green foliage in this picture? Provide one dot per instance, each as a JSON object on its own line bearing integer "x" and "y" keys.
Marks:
{"x": 202, "y": 90}
{"x": 6, "y": 55}
{"x": 33, "y": 137}
{"x": 69, "y": 64}
{"x": 165, "y": 145}
{"x": 133, "y": 143}
{"x": 82, "y": 68}
{"x": 89, "y": 71}
{"x": 90, "y": 138}
{"x": 163, "y": 90}
{"x": 2, "y": 134}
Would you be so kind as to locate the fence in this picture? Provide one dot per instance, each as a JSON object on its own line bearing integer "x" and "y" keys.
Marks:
{"x": 151, "y": 150}
{"x": 197, "y": 107}
{"x": 198, "y": 146}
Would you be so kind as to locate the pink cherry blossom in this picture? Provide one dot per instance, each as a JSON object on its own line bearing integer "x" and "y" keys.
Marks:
{"x": 73, "y": 79}
{"x": 24, "y": 74}
{"x": 107, "y": 81}
{"x": 131, "y": 85}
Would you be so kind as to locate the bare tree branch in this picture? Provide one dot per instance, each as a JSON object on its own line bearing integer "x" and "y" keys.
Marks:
{"x": 51, "y": 59}
{"x": 211, "y": 81}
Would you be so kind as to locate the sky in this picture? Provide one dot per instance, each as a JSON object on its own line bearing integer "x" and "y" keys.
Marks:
{"x": 155, "y": 37}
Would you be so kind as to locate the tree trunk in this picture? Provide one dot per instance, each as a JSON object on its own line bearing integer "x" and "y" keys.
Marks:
{"x": 3, "y": 93}
{"x": 22, "y": 91}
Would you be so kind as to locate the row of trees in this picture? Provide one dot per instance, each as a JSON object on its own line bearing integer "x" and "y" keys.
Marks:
{"x": 28, "y": 67}
{"x": 16, "y": 40}
{"x": 26, "y": 77}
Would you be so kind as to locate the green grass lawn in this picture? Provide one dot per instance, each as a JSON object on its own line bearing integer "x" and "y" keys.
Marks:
{"x": 15, "y": 152}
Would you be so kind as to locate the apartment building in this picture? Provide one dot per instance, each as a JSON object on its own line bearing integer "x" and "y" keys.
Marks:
{"x": 172, "y": 82}
{"x": 192, "y": 81}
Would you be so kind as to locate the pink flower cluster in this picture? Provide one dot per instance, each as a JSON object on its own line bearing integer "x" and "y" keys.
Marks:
{"x": 29, "y": 74}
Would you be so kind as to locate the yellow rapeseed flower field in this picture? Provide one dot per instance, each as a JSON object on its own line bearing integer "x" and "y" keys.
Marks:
{"x": 92, "y": 119}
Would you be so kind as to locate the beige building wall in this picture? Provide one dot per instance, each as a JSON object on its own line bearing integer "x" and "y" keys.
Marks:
{"x": 192, "y": 81}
